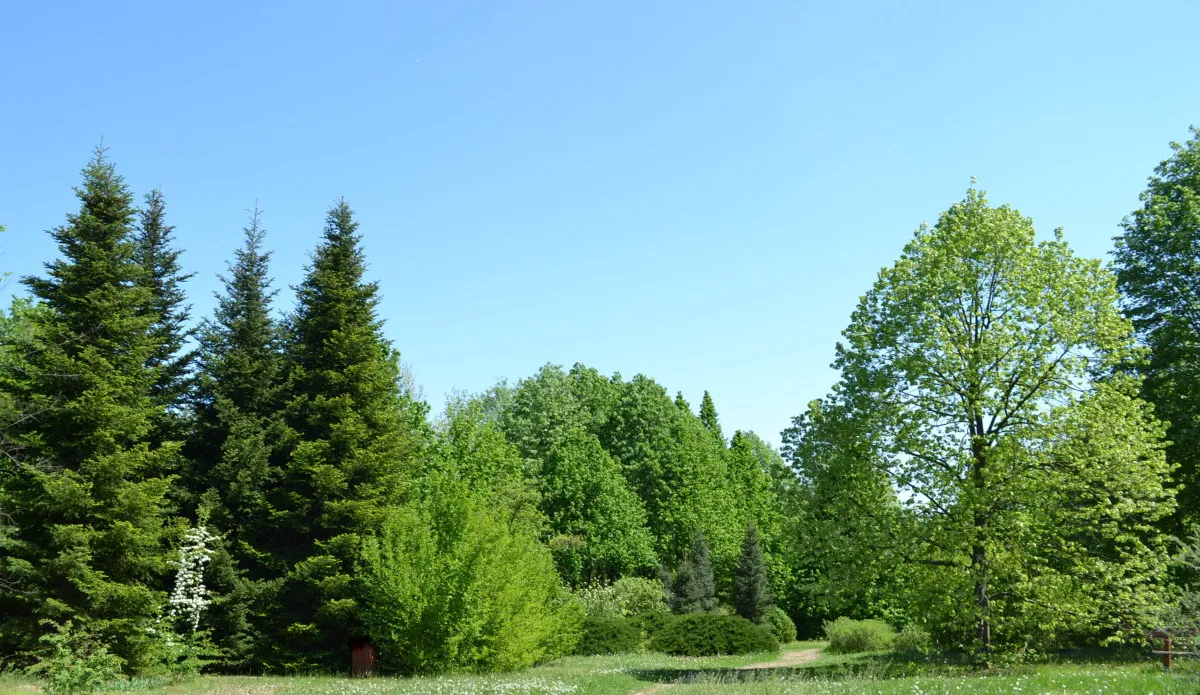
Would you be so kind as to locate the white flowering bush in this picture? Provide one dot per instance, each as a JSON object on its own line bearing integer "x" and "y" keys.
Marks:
{"x": 190, "y": 596}
{"x": 180, "y": 646}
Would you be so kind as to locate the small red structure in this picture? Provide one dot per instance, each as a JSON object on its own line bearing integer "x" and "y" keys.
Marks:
{"x": 362, "y": 657}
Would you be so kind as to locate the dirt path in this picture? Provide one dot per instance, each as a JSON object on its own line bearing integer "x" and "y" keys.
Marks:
{"x": 798, "y": 657}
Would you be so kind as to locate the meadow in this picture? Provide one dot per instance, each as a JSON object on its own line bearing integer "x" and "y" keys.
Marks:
{"x": 818, "y": 673}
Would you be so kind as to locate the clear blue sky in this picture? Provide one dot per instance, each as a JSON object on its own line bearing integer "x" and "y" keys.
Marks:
{"x": 695, "y": 191}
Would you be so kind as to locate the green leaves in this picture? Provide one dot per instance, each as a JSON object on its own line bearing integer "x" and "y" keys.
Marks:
{"x": 975, "y": 385}
{"x": 1157, "y": 260}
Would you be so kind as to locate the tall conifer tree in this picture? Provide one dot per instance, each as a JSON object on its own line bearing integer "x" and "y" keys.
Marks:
{"x": 357, "y": 439}
{"x": 163, "y": 276}
{"x": 91, "y": 512}
{"x": 752, "y": 595}
{"x": 237, "y": 433}
{"x": 708, "y": 416}
{"x": 693, "y": 590}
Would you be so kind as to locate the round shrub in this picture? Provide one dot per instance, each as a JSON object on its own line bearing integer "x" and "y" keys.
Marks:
{"x": 781, "y": 625}
{"x": 639, "y": 596}
{"x": 848, "y": 636}
{"x": 710, "y": 634}
{"x": 605, "y": 635}
{"x": 913, "y": 640}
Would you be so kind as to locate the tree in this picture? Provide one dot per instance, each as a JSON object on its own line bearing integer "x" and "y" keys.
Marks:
{"x": 169, "y": 312}
{"x": 238, "y": 431}
{"x": 708, "y": 417}
{"x": 693, "y": 589}
{"x": 92, "y": 514}
{"x": 677, "y": 468}
{"x": 448, "y": 585}
{"x": 984, "y": 362}
{"x": 18, "y": 340}
{"x": 752, "y": 596}
{"x": 1157, "y": 260}
{"x": 586, "y": 498}
{"x": 472, "y": 448}
{"x": 357, "y": 445}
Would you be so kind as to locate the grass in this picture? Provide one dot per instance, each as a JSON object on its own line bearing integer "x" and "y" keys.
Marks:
{"x": 591, "y": 675}
{"x": 829, "y": 674}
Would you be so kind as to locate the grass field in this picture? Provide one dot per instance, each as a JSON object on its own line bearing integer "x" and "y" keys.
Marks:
{"x": 813, "y": 672}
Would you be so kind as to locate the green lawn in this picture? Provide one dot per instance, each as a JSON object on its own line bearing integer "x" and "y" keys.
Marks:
{"x": 829, "y": 674}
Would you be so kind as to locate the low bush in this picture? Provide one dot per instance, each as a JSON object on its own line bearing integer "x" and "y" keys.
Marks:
{"x": 848, "y": 636}
{"x": 710, "y": 634}
{"x": 76, "y": 662}
{"x": 913, "y": 640}
{"x": 606, "y": 635}
{"x": 781, "y": 625}
{"x": 447, "y": 585}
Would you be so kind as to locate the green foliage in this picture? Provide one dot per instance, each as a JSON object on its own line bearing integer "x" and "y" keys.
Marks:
{"x": 74, "y": 661}
{"x": 356, "y": 440}
{"x": 626, "y": 597}
{"x": 708, "y": 418}
{"x": 708, "y": 634}
{"x": 781, "y": 625}
{"x": 609, "y": 635}
{"x": 640, "y": 596}
{"x": 752, "y": 597}
{"x": 692, "y": 588}
{"x": 679, "y": 471}
{"x": 89, "y": 500}
{"x": 846, "y": 635}
{"x": 163, "y": 277}
{"x": 585, "y": 496}
{"x": 237, "y": 432}
{"x": 1157, "y": 261}
{"x": 976, "y": 379}
{"x": 913, "y": 640}
{"x": 471, "y": 447}
{"x": 448, "y": 585}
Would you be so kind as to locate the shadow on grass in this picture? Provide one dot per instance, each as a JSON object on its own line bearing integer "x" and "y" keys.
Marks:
{"x": 886, "y": 666}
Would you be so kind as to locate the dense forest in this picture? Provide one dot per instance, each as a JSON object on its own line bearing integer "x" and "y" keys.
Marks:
{"x": 1006, "y": 462}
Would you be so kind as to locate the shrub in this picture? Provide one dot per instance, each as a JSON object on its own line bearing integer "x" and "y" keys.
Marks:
{"x": 781, "y": 625}
{"x": 75, "y": 662}
{"x": 639, "y": 596}
{"x": 627, "y": 597}
{"x": 599, "y": 601}
{"x": 914, "y": 640}
{"x": 847, "y": 635}
{"x": 709, "y": 634}
{"x": 447, "y": 585}
{"x": 604, "y": 635}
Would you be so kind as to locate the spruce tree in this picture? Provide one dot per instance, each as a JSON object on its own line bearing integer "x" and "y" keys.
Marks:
{"x": 708, "y": 417}
{"x": 752, "y": 597}
{"x": 163, "y": 276}
{"x": 90, "y": 510}
{"x": 693, "y": 589}
{"x": 356, "y": 443}
{"x": 238, "y": 430}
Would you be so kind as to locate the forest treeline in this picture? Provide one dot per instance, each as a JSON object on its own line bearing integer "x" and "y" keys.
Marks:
{"x": 1003, "y": 462}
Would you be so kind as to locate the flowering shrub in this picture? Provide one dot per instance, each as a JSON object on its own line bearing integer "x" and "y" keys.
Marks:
{"x": 626, "y": 597}
{"x": 179, "y": 646}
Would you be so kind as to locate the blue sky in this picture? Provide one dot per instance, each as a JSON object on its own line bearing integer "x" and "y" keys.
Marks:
{"x": 695, "y": 191}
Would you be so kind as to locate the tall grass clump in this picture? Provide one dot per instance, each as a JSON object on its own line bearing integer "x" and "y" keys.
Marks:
{"x": 848, "y": 636}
